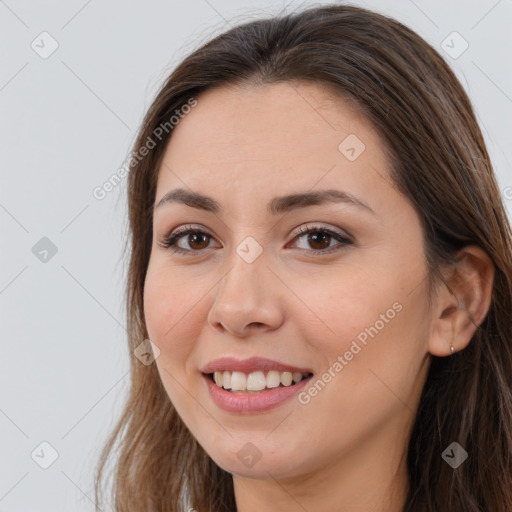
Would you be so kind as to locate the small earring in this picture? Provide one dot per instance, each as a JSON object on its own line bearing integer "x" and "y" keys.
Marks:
{"x": 451, "y": 348}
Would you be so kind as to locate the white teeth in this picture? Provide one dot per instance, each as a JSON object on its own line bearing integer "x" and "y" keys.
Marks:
{"x": 218, "y": 377}
{"x": 238, "y": 381}
{"x": 255, "y": 381}
{"x": 286, "y": 378}
{"x": 273, "y": 379}
{"x": 226, "y": 379}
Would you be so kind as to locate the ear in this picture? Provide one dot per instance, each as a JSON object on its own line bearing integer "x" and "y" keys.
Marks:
{"x": 462, "y": 301}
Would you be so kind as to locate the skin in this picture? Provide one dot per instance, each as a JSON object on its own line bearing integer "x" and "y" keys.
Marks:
{"x": 345, "y": 448}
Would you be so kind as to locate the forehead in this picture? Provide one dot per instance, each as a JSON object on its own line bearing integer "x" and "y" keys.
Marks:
{"x": 286, "y": 136}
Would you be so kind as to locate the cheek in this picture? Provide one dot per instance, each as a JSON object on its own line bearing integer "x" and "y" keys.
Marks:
{"x": 343, "y": 305}
{"x": 372, "y": 322}
{"x": 173, "y": 313}
{"x": 174, "y": 318}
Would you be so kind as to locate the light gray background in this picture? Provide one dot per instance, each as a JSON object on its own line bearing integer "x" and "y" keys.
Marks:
{"x": 67, "y": 123}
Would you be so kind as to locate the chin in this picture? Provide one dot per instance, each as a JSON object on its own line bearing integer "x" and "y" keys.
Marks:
{"x": 266, "y": 462}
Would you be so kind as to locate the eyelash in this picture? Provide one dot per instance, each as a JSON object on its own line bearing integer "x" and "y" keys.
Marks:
{"x": 169, "y": 241}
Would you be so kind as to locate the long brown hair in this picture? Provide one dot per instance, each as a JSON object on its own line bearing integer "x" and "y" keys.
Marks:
{"x": 439, "y": 161}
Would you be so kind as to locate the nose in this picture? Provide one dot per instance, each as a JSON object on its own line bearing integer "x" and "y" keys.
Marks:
{"x": 248, "y": 300}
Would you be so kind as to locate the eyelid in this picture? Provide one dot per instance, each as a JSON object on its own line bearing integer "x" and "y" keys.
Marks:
{"x": 308, "y": 227}
{"x": 188, "y": 227}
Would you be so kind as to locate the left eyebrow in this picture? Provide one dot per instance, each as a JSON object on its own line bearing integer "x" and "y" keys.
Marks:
{"x": 276, "y": 206}
{"x": 295, "y": 201}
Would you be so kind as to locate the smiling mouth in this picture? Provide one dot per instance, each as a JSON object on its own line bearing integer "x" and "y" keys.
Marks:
{"x": 256, "y": 382}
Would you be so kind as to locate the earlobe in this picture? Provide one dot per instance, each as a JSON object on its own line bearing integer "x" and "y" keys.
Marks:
{"x": 463, "y": 302}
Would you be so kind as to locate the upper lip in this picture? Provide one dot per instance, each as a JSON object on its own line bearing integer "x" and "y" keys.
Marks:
{"x": 253, "y": 364}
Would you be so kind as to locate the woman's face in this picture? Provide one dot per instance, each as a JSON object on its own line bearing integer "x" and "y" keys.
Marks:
{"x": 347, "y": 303}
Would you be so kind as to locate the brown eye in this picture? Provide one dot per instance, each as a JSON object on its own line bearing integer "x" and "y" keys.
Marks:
{"x": 318, "y": 240}
{"x": 197, "y": 240}
{"x": 188, "y": 240}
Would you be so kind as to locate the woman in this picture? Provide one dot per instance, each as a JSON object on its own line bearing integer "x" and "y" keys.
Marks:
{"x": 321, "y": 259}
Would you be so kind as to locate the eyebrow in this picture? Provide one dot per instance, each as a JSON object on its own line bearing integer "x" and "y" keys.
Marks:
{"x": 276, "y": 206}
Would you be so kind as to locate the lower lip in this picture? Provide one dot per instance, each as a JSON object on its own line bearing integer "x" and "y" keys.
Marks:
{"x": 252, "y": 402}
